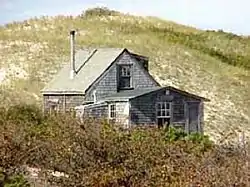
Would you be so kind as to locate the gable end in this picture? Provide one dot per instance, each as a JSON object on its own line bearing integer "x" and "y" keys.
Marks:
{"x": 105, "y": 71}
{"x": 145, "y": 71}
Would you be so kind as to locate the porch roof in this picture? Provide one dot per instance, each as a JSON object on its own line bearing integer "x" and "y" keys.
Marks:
{"x": 129, "y": 94}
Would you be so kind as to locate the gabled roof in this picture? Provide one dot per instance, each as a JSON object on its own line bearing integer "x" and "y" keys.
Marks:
{"x": 89, "y": 66}
{"x": 182, "y": 92}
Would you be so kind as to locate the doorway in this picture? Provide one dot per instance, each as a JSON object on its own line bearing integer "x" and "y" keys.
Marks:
{"x": 193, "y": 116}
{"x": 163, "y": 114}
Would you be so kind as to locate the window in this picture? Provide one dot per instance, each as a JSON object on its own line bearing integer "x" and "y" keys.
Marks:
{"x": 163, "y": 109}
{"x": 53, "y": 109}
{"x": 167, "y": 92}
{"x": 125, "y": 76}
{"x": 112, "y": 111}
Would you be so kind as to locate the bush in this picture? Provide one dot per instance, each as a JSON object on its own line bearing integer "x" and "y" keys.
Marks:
{"x": 24, "y": 113}
{"x": 13, "y": 180}
{"x": 99, "y": 11}
{"x": 94, "y": 153}
{"x": 174, "y": 134}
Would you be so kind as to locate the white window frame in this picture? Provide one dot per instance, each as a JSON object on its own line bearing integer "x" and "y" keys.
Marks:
{"x": 110, "y": 111}
{"x": 165, "y": 109}
{"x": 167, "y": 92}
{"x": 125, "y": 71}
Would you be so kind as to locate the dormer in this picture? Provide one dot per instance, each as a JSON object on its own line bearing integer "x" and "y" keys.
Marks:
{"x": 141, "y": 59}
{"x": 125, "y": 78}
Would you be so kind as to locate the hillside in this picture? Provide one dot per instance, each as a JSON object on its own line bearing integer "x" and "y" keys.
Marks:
{"x": 212, "y": 64}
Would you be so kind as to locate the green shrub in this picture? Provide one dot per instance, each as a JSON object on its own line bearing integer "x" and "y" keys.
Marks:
{"x": 13, "y": 180}
{"x": 25, "y": 113}
{"x": 202, "y": 141}
{"x": 16, "y": 181}
{"x": 174, "y": 134}
{"x": 99, "y": 11}
{"x": 199, "y": 138}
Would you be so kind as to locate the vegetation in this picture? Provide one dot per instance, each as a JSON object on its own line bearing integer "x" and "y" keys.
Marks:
{"x": 97, "y": 154}
{"x": 213, "y": 64}
{"x": 13, "y": 180}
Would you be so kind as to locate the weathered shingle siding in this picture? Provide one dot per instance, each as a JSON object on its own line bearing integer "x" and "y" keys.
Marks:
{"x": 96, "y": 111}
{"x": 180, "y": 110}
{"x": 178, "y": 106}
{"x": 46, "y": 99}
{"x": 140, "y": 76}
{"x": 143, "y": 109}
{"x": 105, "y": 86}
{"x": 122, "y": 113}
{"x": 73, "y": 101}
{"x": 66, "y": 102}
{"x": 107, "y": 83}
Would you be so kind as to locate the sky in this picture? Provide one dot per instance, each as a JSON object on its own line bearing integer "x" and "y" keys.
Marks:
{"x": 228, "y": 15}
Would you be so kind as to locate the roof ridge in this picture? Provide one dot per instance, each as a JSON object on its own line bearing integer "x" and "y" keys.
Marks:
{"x": 99, "y": 47}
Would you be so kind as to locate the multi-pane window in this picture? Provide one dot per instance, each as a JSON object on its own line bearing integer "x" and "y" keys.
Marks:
{"x": 125, "y": 76}
{"x": 112, "y": 111}
{"x": 163, "y": 110}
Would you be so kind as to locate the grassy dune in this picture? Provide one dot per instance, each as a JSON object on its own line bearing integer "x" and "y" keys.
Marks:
{"x": 212, "y": 64}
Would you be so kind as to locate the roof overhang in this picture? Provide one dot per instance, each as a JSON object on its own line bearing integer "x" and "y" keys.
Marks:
{"x": 139, "y": 56}
{"x": 117, "y": 99}
{"x": 187, "y": 93}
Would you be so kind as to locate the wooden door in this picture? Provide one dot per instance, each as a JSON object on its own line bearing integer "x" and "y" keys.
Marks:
{"x": 193, "y": 116}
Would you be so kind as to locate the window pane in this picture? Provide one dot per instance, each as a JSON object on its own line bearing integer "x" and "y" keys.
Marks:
{"x": 125, "y": 76}
{"x": 163, "y": 109}
{"x": 125, "y": 82}
{"x": 112, "y": 111}
{"x": 162, "y": 105}
{"x": 159, "y": 106}
{"x": 125, "y": 70}
{"x": 167, "y": 105}
{"x": 128, "y": 71}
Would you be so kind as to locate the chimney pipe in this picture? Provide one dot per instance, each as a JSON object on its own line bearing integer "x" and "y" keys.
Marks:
{"x": 72, "y": 54}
